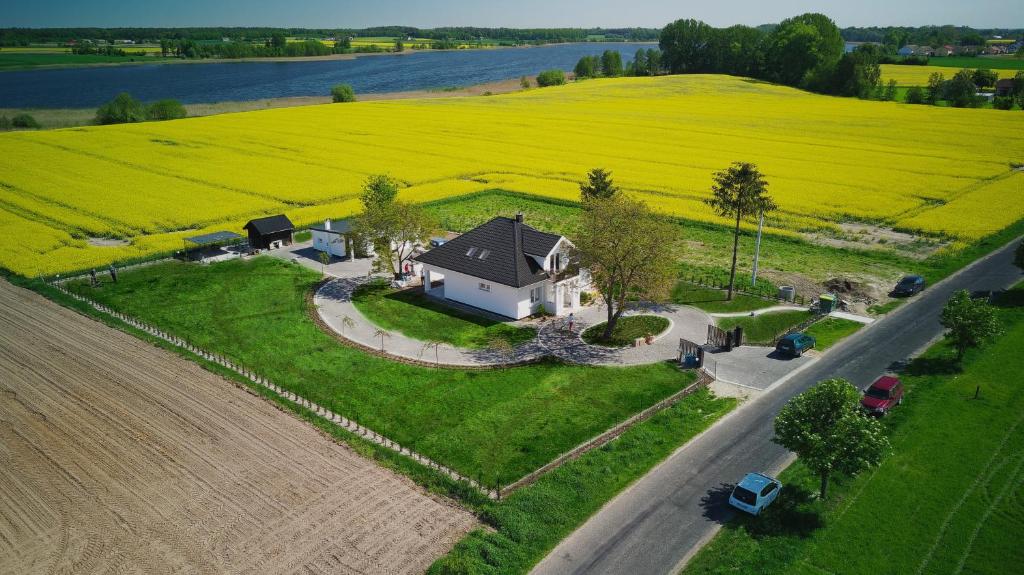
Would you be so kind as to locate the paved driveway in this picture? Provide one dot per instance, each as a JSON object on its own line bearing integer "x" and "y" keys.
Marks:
{"x": 752, "y": 367}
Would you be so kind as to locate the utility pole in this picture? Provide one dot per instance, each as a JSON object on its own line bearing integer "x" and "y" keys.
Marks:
{"x": 757, "y": 250}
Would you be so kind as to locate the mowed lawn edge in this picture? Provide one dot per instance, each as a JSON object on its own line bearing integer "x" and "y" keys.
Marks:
{"x": 949, "y": 497}
{"x": 492, "y": 425}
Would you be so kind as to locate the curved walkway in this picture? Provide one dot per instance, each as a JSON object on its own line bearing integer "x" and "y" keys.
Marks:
{"x": 334, "y": 303}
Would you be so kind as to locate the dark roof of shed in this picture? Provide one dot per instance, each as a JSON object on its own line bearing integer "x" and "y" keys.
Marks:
{"x": 496, "y": 251}
{"x": 270, "y": 224}
{"x": 215, "y": 237}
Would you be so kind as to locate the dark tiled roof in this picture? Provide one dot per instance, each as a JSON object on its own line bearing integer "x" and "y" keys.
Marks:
{"x": 338, "y": 227}
{"x": 270, "y": 224}
{"x": 496, "y": 251}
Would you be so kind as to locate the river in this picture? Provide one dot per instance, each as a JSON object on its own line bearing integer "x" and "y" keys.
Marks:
{"x": 84, "y": 87}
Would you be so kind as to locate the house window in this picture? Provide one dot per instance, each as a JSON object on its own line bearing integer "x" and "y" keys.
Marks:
{"x": 536, "y": 293}
{"x": 484, "y": 287}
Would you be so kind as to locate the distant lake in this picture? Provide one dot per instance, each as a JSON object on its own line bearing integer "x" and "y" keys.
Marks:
{"x": 87, "y": 87}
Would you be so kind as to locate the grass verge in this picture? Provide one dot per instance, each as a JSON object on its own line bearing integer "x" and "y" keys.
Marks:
{"x": 950, "y": 498}
{"x": 763, "y": 329}
{"x": 627, "y": 330}
{"x": 494, "y": 425}
{"x": 830, "y": 330}
{"x": 530, "y": 522}
{"x": 714, "y": 300}
{"x": 413, "y": 314}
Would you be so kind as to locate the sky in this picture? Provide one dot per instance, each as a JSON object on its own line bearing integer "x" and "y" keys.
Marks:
{"x": 492, "y": 13}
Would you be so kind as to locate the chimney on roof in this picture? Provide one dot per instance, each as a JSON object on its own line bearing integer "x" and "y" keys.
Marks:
{"x": 327, "y": 224}
{"x": 519, "y": 217}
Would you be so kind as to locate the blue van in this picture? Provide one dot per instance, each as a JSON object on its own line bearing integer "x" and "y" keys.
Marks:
{"x": 755, "y": 492}
{"x": 795, "y": 344}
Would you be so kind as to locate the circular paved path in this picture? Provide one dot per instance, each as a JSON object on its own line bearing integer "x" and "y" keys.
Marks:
{"x": 334, "y": 304}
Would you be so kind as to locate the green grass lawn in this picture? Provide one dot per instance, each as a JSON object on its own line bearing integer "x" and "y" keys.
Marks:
{"x": 627, "y": 329}
{"x": 495, "y": 424}
{"x": 303, "y": 236}
{"x": 531, "y": 521}
{"x": 884, "y": 308}
{"x": 14, "y": 60}
{"x": 413, "y": 314}
{"x": 706, "y": 248}
{"x": 1001, "y": 63}
{"x": 948, "y": 499}
{"x": 828, "y": 331}
{"x": 714, "y": 300}
{"x": 765, "y": 328}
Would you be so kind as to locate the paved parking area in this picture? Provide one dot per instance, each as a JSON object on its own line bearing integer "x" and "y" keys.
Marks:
{"x": 304, "y": 254}
{"x": 753, "y": 367}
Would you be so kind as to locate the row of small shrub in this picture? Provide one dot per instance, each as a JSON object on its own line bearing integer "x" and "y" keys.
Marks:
{"x": 20, "y": 121}
{"x": 124, "y": 109}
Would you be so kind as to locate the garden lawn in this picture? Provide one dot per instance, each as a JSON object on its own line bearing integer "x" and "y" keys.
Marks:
{"x": 765, "y": 328}
{"x": 627, "y": 330}
{"x": 948, "y": 499}
{"x": 496, "y": 424}
{"x": 531, "y": 521}
{"x": 413, "y": 314}
{"x": 714, "y": 300}
{"x": 828, "y": 331}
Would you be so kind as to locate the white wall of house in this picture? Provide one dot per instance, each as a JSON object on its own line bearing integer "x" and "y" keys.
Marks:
{"x": 487, "y": 295}
{"x": 333, "y": 244}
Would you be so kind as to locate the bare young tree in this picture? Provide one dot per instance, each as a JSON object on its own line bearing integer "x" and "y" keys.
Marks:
{"x": 347, "y": 322}
{"x": 381, "y": 333}
{"x": 739, "y": 191}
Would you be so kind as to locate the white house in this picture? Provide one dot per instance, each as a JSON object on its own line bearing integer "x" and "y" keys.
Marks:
{"x": 338, "y": 239}
{"x": 506, "y": 267}
{"x": 331, "y": 238}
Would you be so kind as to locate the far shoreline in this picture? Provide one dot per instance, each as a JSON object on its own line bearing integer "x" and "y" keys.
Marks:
{"x": 58, "y": 118}
{"x": 285, "y": 59}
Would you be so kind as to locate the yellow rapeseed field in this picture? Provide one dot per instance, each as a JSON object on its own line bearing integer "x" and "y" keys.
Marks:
{"x": 827, "y": 160}
{"x": 918, "y": 75}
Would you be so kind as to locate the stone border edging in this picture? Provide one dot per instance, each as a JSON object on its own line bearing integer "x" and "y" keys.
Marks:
{"x": 348, "y": 424}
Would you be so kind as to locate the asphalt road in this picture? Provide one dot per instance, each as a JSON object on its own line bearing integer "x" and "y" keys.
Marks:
{"x": 656, "y": 525}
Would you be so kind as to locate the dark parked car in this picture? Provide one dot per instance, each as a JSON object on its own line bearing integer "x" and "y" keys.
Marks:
{"x": 909, "y": 285}
{"x": 795, "y": 344}
{"x": 883, "y": 395}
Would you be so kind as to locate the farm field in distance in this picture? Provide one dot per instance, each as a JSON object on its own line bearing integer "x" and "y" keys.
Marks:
{"x": 918, "y": 75}
{"x": 836, "y": 161}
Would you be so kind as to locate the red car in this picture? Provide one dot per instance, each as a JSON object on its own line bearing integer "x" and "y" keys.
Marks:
{"x": 883, "y": 395}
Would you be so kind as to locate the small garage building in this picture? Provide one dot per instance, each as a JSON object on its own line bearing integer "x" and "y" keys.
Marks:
{"x": 270, "y": 232}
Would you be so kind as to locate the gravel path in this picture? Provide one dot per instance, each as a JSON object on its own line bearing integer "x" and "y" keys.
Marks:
{"x": 334, "y": 303}
{"x": 117, "y": 457}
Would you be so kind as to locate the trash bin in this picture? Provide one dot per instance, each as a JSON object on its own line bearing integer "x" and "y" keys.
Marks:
{"x": 826, "y": 303}
{"x": 787, "y": 293}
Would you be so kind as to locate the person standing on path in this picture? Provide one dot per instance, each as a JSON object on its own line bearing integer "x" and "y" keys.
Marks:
{"x": 571, "y": 321}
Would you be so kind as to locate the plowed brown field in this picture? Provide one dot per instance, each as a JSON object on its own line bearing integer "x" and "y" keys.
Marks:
{"x": 116, "y": 456}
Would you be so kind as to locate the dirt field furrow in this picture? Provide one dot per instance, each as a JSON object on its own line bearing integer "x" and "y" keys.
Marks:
{"x": 116, "y": 456}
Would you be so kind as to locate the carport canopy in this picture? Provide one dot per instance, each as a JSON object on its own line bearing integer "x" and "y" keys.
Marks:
{"x": 214, "y": 239}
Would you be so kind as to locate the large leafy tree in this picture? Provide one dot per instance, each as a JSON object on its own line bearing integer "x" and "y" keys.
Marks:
{"x": 739, "y": 192}
{"x": 394, "y": 227}
{"x": 599, "y": 184}
{"x": 829, "y": 432}
{"x": 968, "y": 322}
{"x": 628, "y": 250}
{"x": 611, "y": 63}
{"x": 803, "y": 51}
{"x": 123, "y": 109}
{"x": 686, "y": 46}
